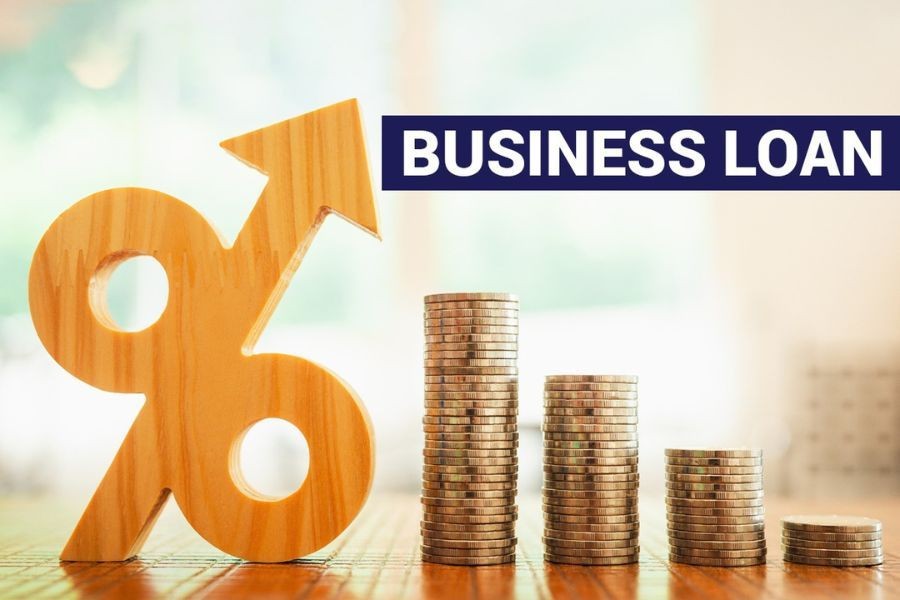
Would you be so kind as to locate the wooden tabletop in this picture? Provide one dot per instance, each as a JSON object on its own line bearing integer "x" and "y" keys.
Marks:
{"x": 377, "y": 558}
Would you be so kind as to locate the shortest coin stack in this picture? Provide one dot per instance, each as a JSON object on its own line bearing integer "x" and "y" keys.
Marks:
{"x": 714, "y": 507}
{"x": 832, "y": 540}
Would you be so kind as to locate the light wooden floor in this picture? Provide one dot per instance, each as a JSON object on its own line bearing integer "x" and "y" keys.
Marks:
{"x": 377, "y": 558}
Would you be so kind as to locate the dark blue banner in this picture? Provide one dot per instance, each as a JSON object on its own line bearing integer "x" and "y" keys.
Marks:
{"x": 640, "y": 153}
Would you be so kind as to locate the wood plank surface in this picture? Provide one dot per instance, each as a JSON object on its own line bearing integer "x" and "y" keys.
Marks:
{"x": 377, "y": 558}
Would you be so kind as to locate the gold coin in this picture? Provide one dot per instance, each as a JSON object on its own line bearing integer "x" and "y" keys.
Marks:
{"x": 790, "y": 543}
{"x": 433, "y": 510}
{"x": 713, "y": 502}
{"x": 554, "y": 502}
{"x": 443, "y": 371}
{"x": 691, "y": 478}
{"x": 590, "y": 428}
{"x": 465, "y": 359}
{"x": 504, "y": 386}
{"x": 465, "y": 313}
{"x": 717, "y": 562}
{"x": 489, "y": 446}
{"x": 469, "y": 454}
{"x": 715, "y": 512}
{"x": 832, "y": 552}
{"x": 591, "y": 446}
{"x": 711, "y": 553}
{"x": 831, "y": 523}
{"x": 468, "y": 528}
{"x": 577, "y": 530}
{"x": 591, "y": 511}
{"x": 749, "y": 495}
{"x": 588, "y": 494}
{"x": 497, "y": 407}
{"x": 472, "y": 304}
{"x": 825, "y": 537}
{"x": 553, "y": 421}
{"x": 469, "y": 486}
{"x": 554, "y": 405}
{"x": 590, "y": 391}
{"x": 484, "y": 329}
{"x": 591, "y": 379}
{"x": 575, "y": 413}
{"x": 469, "y": 502}
{"x": 589, "y": 485}
{"x": 470, "y": 362}
{"x": 682, "y": 544}
{"x": 471, "y": 469}
{"x": 470, "y": 519}
{"x": 713, "y": 462}
{"x": 720, "y": 471}
{"x": 504, "y": 392}
{"x": 599, "y": 469}
{"x": 465, "y": 420}
{"x": 717, "y": 536}
{"x": 590, "y": 460}
{"x": 618, "y": 521}
{"x": 556, "y": 544}
{"x": 472, "y": 347}
{"x": 472, "y": 338}
{"x": 595, "y": 561}
{"x": 470, "y": 296}
{"x": 714, "y": 452}
{"x": 464, "y": 478}
{"x": 509, "y": 414}
{"x": 590, "y": 437}
{"x": 467, "y": 552}
{"x": 498, "y": 534}
{"x": 474, "y": 429}
{"x": 596, "y": 477}
{"x": 834, "y": 562}
{"x": 472, "y": 437}
{"x": 591, "y": 536}
{"x": 682, "y": 520}
{"x": 755, "y": 527}
{"x": 469, "y": 561}
{"x": 715, "y": 495}
{"x": 492, "y": 495}
{"x": 506, "y": 545}
{"x": 714, "y": 487}
{"x": 585, "y": 453}
{"x": 503, "y": 461}
{"x": 592, "y": 552}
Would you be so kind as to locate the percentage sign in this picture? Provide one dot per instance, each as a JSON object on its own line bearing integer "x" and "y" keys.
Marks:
{"x": 204, "y": 389}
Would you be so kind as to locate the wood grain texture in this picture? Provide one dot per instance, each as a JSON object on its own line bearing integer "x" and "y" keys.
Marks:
{"x": 378, "y": 557}
{"x": 203, "y": 385}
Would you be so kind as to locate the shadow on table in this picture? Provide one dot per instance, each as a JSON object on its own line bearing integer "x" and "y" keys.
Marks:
{"x": 574, "y": 581}
{"x": 136, "y": 579}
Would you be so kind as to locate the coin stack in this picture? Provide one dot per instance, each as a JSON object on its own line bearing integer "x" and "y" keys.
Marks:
{"x": 590, "y": 469}
{"x": 832, "y": 540}
{"x": 471, "y": 403}
{"x": 714, "y": 507}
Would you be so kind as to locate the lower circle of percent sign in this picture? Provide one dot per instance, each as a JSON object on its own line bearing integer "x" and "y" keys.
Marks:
{"x": 203, "y": 388}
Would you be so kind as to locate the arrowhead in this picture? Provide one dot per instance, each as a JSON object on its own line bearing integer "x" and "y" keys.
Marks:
{"x": 319, "y": 158}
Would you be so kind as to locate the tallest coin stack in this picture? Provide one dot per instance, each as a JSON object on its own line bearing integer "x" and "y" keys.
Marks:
{"x": 471, "y": 402}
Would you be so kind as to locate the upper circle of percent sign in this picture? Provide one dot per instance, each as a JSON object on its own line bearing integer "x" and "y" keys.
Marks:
{"x": 204, "y": 388}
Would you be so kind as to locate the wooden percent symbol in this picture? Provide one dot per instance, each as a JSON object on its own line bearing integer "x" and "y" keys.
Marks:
{"x": 204, "y": 389}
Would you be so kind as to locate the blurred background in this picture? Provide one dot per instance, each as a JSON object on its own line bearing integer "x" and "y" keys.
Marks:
{"x": 769, "y": 319}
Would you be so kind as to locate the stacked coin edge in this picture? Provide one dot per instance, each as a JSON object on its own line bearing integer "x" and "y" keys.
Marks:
{"x": 470, "y": 470}
{"x": 714, "y": 506}
{"x": 832, "y": 540}
{"x": 590, "y": 488}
